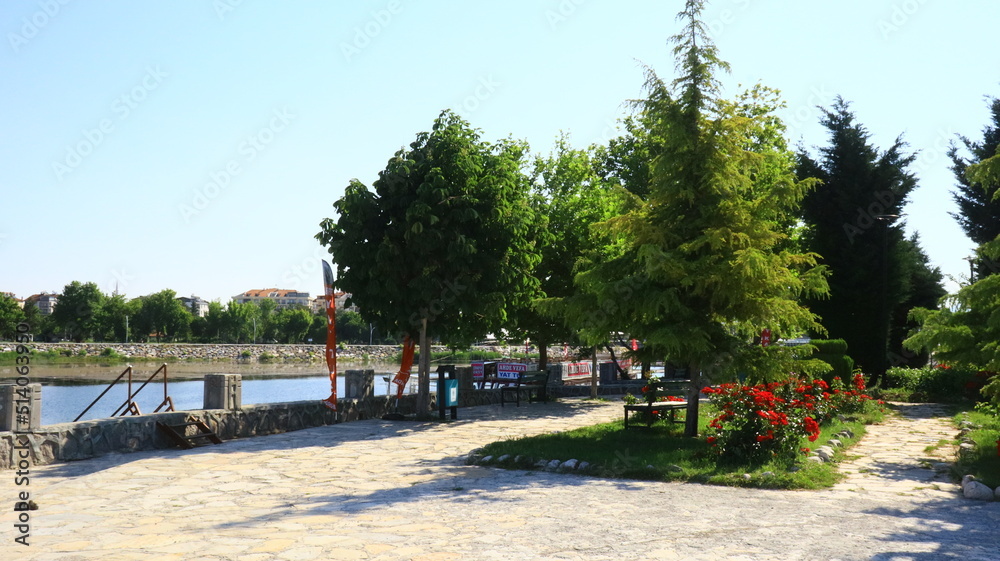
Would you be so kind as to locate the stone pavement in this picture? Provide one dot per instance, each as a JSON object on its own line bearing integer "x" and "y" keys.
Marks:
{"x": 400, "y": 491}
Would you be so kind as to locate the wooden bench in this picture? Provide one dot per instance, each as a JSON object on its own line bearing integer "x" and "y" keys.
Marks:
{"x": 534, "y": 380}
{"x": 664, "y": 388}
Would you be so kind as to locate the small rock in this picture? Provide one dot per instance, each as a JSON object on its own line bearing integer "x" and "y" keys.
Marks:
{"x": 747, "y": 477}
{"x": 486, "y": 460}
{"x": 794, "y": 469}
{"x": 674, "y": 468}
{"x": 568, "y": 465}
{"x": 649, "y": 466}
{"x": 767, "y": 474}
{"x": 996, "y": 494}
{"x": 825, "y": 454}
{"x": 503, "y": 458}
{"x": 541, "y": 464}
{"x": 518, "y": 459}
{"x": 582, "y": 466}
{"x": 967, "y": 479}
{"x": 553, "y": 465}
{"x": 815, "y": 459}
{"x": 966, "y": 448}
{"x": 835, "y": 443}
{"x": 977, "y": 491}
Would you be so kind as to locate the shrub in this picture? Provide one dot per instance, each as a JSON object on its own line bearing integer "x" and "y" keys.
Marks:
{"x": 834, "y": 353}
{"x": 941, "y": 383}
{"x": 765, "y": 422}
{"x": 110, "y": 353}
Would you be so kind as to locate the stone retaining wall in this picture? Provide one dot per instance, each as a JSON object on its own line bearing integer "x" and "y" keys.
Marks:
{"x": 88, "y": 439}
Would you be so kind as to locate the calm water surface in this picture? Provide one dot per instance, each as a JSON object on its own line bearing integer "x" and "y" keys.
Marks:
{"x": 67, "y": 389}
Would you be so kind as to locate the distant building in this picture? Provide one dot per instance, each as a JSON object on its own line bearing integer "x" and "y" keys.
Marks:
{"x": 281, "y": 297}
{"x": 45, "y": 302}
{"x": 197, "y": 306}
{"x": 318, "y": 304}
{"x": 14, "y": 298}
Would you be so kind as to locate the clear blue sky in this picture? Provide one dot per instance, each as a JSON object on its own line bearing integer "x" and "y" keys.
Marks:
{"x": 196, "y": 145}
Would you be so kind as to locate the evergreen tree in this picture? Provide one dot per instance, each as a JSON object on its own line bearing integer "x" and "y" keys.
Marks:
{"x": 704, "y": 268}
{"x": 853, "y": 222}
{"x": 978, "y": 211}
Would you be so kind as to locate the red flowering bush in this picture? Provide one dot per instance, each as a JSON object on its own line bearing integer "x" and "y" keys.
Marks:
{"x": 762, "y": 422}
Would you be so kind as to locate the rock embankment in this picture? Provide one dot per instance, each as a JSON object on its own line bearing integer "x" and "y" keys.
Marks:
{"x": 184, "y": 351}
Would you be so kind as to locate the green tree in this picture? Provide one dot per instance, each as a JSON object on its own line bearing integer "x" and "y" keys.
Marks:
{"x": 289, "y": 325}
{"x": 238, "y": 322}
{"x": 111, "y": 318}
{"x": 966, "y": 330}
{"x": 570, "y": 197}
{"x": 978, "y": 209}
{"x": 853, "y": 222}
{"x": 704, "y": 270}
{"x": 443, "y": 239}
{"x": 77, "y": 312}
{"x": 163, "y": 315}
{"x": 267, "y": 325}
{"x": 11, "y": 314}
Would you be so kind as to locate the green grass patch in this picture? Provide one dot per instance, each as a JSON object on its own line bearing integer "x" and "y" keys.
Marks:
{"x": 662, "y": 453}
{"x": 106, "y": 356}
{"x": 984, "y": 461}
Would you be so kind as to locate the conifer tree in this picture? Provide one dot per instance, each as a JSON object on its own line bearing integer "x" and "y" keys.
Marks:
{"x": 705, "y": 265}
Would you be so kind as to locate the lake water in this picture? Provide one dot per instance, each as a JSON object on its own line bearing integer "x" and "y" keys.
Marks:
{"x": 67, "y": 389}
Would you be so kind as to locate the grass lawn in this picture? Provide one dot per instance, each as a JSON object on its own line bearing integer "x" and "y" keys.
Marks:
{"x": 662, "y": 453}
{"x": 984, "y": 462}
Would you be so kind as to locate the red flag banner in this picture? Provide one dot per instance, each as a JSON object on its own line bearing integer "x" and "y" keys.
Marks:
{"x": 331, "y": 335}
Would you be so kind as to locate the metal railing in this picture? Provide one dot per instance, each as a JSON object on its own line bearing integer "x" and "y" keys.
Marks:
{"x": 130, "y": 406}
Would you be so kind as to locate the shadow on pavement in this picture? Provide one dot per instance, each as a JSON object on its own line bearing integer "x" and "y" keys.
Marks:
{"x": 327, "y": 436}
{"x": 946, "y": 529}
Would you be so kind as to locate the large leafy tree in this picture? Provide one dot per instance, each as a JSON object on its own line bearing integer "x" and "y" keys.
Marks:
{"x": 77, "y": 312}
{"x": 111, "y": 319}
{"x": 978, "y": 209}
{"x": 11, "y": 314}
{"x": 443, "y": 244}
{"x": 163, "y": 315}
{"x": 854, "y": 222}
{"x": 706, "y": 266}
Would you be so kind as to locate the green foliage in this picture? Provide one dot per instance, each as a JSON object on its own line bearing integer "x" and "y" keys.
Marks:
{"x": 11, "y": 315}
{"x": 939, "y": 384}
{"x": 978, "y": 212}
{"x": 984, "y": 461}
{"x": 445, "y": 234}
{"x": 161, "y": 315}
{"x": 867, "y": 288}
{"x": 834, "y": 353}
{"x": 77, "y": 312}
{"x": 706, "y": 261}
{"x": 569, "y": 197}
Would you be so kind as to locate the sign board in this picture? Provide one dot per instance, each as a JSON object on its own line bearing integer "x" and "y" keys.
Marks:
{"x": 765, "y": 337}
{"x": 510, "y": 370}
{"x": 577, "y": 370}
{"x": 478, "y": 371}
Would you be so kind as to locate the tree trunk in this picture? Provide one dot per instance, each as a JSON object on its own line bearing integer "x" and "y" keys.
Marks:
{"x": 424, "y": 373}
{"x": 593, "y": 373}
{"x": 543, "y": 355}
{"x": 693, "y": 395}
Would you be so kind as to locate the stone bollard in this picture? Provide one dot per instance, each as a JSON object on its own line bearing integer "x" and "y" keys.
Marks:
{"x": 359, "y": 384}
{"x": 20, "y": 407}
{"x": 223, "y": 391}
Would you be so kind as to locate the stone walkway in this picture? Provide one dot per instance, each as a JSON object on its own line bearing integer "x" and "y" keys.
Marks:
{"x": 401, "y": 491}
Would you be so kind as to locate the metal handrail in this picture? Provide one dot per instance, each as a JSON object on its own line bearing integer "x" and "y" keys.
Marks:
{"x": 124, "y": 407}
{"x": 128, "y": 371}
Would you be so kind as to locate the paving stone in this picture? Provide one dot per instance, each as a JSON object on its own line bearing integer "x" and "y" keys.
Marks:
{"x": 381, "y": 490}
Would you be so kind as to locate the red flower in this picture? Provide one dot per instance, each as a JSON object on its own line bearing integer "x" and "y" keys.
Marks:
{"x": 710, "y": 440}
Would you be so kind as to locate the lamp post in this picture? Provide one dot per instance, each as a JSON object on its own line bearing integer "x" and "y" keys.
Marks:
{"x": 885, "y": 220}
{"x": 972, "y": 273}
